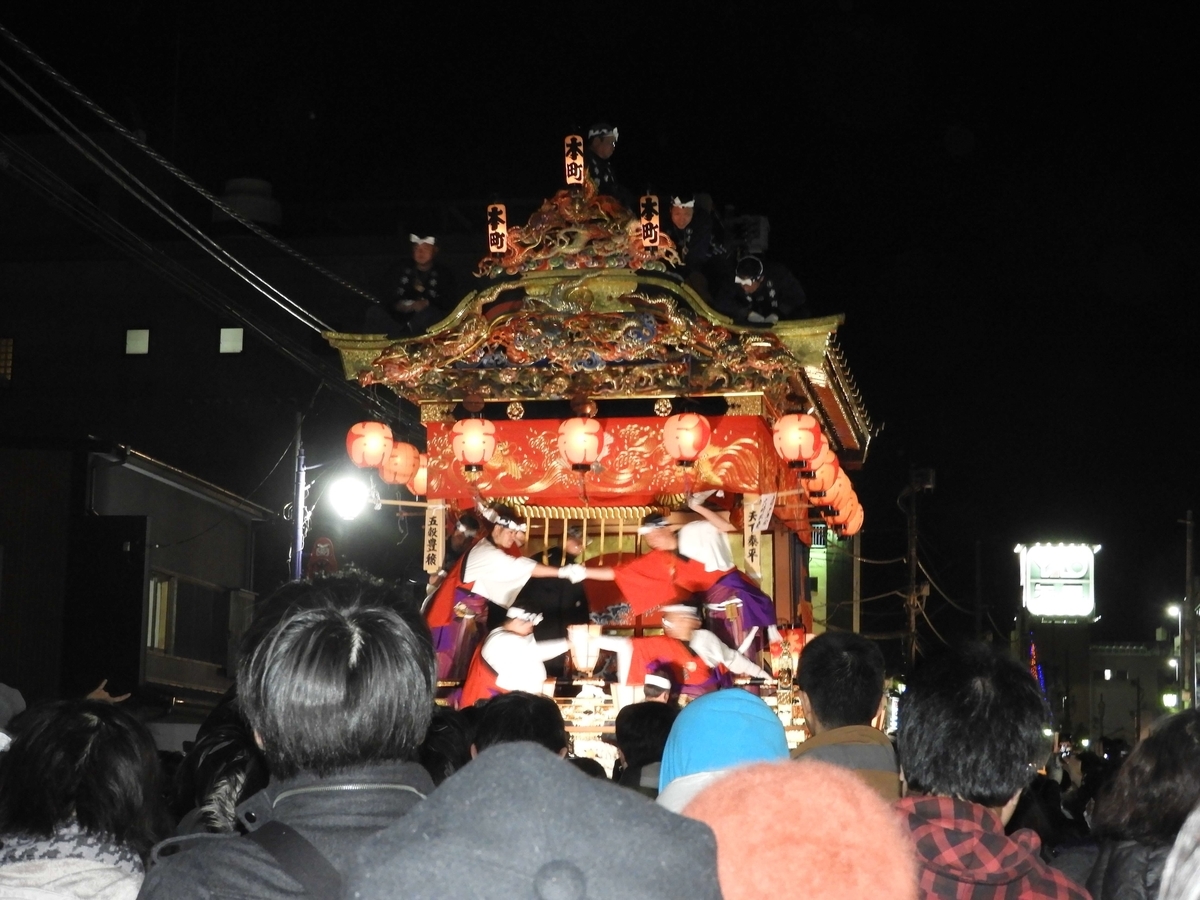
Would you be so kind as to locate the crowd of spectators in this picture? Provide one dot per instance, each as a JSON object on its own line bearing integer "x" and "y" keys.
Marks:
{"x": 328, "y": 771}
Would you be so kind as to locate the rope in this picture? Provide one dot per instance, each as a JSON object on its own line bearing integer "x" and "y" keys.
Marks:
{"x": 253, "y": 227}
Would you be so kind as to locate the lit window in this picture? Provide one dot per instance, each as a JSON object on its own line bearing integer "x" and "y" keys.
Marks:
{"x": 231, "y": 340}
{"x": 1108, "y": 674}
{"x": 137, "y": 341}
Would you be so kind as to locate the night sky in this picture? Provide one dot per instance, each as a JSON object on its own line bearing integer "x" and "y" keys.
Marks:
{"x": 1003, "y": 204}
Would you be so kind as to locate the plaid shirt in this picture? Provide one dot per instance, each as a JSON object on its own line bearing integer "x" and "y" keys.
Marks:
{"x": 964, "y": 854}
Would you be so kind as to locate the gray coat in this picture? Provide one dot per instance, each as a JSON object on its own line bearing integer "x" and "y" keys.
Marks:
{"x": 1127, "y": 870}
{"x": 336, "y": 814}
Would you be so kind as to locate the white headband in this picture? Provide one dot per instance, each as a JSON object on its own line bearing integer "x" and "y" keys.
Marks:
{"x": 602, "y": 132}
{"x": 675, "y": 201}
{"x": 737, "y": 279}
{"x": 658, "y": 681}
{"x": 515, "y": 612}
{"x": 496, "y": 519}
{"x": 423, "y": 240}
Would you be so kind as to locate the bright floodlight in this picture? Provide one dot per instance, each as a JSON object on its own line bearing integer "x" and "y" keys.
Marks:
{"x": 1170, "y": 701}
{"x": 1173, "y": 611}
{"x": 348, "y": 497}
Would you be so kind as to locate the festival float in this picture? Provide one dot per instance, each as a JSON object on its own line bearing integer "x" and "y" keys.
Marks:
{"x": 584, "y": 382}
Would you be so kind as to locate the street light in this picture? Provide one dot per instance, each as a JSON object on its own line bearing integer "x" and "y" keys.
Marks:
{"x": 1170, "y": 701}
{"x": 349, "y": 497}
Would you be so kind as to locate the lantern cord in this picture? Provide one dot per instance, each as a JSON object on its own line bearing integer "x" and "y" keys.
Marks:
{"x": 133, "y": 138}
{"x": 945, "y": 597}
{"x": 837, "y": 548}
{"x": 159, "y": 206}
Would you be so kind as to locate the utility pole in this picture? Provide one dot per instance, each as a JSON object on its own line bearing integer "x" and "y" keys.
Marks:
{"x": 856, "y": 609}
{"x": 979, "y": 592}
{"x": 918, "y": 480}
{"x": 298, "y": 500}
{"x": 1187, "y": 639}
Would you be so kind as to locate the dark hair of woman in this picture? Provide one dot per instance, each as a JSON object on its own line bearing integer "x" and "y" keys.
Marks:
{"x": 1158, "y": 784}
{"x": 86, "y": 762}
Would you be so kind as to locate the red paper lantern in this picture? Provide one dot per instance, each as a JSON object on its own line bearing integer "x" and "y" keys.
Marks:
{"x": 369, "y": 444}
{"x": 839, "y": 493}
{"x": 473, "y": 443}
{"x": 419, "y": 483}
{"x": 685, "y": 436}
{"x": 797, "y": 439}
{"x": 822, "y": 479}
{"x": 853, "y": 524}
{"x": 401, "y": 464}
{"x": 841, "y": 514}
{"x": 580, "y": 442}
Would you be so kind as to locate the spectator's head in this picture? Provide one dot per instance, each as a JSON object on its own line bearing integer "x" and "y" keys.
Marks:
{"x": 680, "y": 621}
{"x": 840, "y": 680}
{"x": 588, "y": 766}
{"x": 424, "y": 249}
{"x": 518, "y": 716}
{"x": 840, "y": 834}
{"x": 642, "y": 731}
{"x": 346, "y": 681}
{"x": 659, "y": 533}
{"x": 719, "y": 731}
{"x": 87, "y": 762}
{"x": 507, "y": 525}
{"x": 749, "y": 274}
{"x": 971, "y": 726}
{"x": 447, "y": 744}
{"x": 1157, "y": 785}
{"x": 602, "y": 140}
{"x": 683, "y": 209}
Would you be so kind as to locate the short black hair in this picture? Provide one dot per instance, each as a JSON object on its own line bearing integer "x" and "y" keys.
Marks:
{"x": 346, "y": 681}
{"x": 520, "y": 716}
{"x": 1158, "y": 784}
{"x": 972, "y": 726}
{"x": 842, "y": 673}
{"x": 642, "y": 730}
{"x": 87, "y": 761}
{"x": 447, "y": 744}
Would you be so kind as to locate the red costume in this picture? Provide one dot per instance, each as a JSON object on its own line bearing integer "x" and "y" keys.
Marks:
{"x": 661, "y": 577}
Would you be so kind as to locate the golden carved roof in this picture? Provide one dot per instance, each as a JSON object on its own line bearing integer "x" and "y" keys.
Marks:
{"x": 580, "y": 307}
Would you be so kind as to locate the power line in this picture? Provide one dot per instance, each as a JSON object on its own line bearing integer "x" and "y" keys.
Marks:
{"x": 26, "y": 170}
{"x": 164, "y": 210}
{"x": 945, "y": 596}
{"x": 109, "y": 120}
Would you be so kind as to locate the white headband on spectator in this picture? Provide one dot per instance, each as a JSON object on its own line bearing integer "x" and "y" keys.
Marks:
{"x": 658, "y": 681}
{"x": 738, "y": 279}
{"x": 602, "y": 132}
{"x": 515, "y": 612}
{"x": 416, "y": 239}
{"x": 675, "y": 201}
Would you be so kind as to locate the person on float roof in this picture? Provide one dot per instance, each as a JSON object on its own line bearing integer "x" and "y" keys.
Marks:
{"x": 414, "y": 294}
{"x": 765, "y": 293}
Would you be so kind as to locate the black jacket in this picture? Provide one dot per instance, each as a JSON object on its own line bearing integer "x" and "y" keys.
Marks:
{"x": 335, "y": 814}
{"x": 1127, "y": 870}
